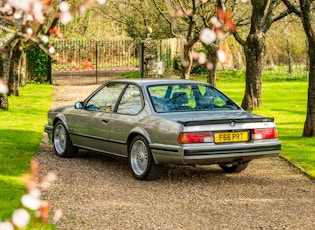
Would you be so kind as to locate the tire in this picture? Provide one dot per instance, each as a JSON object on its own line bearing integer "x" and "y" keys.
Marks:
{"x": 233, "y": 167}
{"x": 62, "y": 142}
{"x": 141, "y": 161}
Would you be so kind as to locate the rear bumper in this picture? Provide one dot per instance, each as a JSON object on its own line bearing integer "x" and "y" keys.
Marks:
{"x": 213, "y": 154}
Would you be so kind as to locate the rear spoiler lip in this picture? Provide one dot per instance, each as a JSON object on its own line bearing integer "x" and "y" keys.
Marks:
{"x": 226, "y": 121}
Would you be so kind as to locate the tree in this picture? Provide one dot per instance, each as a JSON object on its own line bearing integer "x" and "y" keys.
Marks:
{"x": 305, "y": 10}
{"x": 24, "y": 23}
{"x": 193, "y": 21}
{"x": 264, "y": 13}
{"x": 133, "y": 17}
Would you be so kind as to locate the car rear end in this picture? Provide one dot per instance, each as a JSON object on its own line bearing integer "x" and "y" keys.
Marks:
{"x": 228, "y": 140}
{"x": 208, "y": 127}
{"x": 227, "y": 137}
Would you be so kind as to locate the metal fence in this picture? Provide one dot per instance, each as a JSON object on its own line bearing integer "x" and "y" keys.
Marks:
{"x": 93, "y": 62}
{"x": 90, "y": 62}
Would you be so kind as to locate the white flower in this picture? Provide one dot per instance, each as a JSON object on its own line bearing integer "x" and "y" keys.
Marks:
{"x": 18, "y": 14}
{"x": 202, "y": 58}
{"x": 30, "y": 202}
{"x": 82, "y": 9}
{"x": 221, "y": 56}
{"x": 3, "y": 87}
{"x": 51, "y": 50}
{"x": 64, "y": 6}
{"x": 6, "y": 226}
{"x": 207, "y": 36}
{"x": 29, "y": 31}
{"x": 65, "y": 17}
{"x": 57, "y": 215}
{"x": 215, "y": 22}
{"x": 20, "y": 218}
{"x": 44, "y": 39}
{"x": 24, "y": 5}
{"x": 35, "y": 193}
{"x": 210, "y": 66}
{"x": 101, "y": 2}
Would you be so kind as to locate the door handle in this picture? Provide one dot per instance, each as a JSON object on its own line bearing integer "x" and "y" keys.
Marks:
{"x": 105, "y": 121}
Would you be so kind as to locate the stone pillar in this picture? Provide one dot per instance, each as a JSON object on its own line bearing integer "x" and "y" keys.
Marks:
{"x": 149, "y": 56}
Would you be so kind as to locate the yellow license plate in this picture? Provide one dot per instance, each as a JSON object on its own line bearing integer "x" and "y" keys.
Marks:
{"x": 230, "y": 137}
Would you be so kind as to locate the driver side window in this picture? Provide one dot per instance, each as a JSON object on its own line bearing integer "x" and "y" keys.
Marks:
{"x": 106, "y": 98}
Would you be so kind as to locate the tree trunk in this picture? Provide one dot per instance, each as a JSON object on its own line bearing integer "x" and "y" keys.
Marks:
{"x": 309, "y": 126}
{"x": 254, "y": 52}
{"x": 307, "y": 16}
{"x": 15, "y": 65}
{"x": 213, "y": 59}
{"x": 4, "y": 102}
{"x": 186, "y": 62}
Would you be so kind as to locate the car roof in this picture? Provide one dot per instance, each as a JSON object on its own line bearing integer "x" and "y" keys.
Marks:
{"x": 156, "y": 81}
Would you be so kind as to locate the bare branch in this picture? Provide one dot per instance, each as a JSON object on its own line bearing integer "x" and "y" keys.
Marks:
{"x": 293, "y": 7}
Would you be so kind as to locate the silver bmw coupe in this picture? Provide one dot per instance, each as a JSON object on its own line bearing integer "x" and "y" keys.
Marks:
{"x": 154, "y": 122}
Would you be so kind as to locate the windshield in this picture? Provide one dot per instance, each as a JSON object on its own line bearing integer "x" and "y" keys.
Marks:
{"x": 189, "y": 97}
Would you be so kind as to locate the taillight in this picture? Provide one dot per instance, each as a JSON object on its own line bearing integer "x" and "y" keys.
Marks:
{"x": 259, "y": 134}
{"x": 195, "y": 137}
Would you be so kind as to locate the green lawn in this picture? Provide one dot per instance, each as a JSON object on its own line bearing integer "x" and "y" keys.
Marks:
{"x": 21, "y": 131}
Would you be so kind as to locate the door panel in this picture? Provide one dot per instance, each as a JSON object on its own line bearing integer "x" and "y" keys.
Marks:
{"x": 89, "y": 127}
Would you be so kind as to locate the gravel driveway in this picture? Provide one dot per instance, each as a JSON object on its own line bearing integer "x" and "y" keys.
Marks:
{"x": 99, "y": 192}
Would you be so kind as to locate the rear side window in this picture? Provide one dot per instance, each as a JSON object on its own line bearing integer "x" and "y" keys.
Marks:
{"x": 131, "y": 101}
{"x": 189, "y": 97}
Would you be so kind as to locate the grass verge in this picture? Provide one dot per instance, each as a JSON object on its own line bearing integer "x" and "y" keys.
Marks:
{"x": 21, "y": 131}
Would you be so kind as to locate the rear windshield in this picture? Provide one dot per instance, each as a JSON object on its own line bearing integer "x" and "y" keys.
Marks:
{"x": 188, "y": 97}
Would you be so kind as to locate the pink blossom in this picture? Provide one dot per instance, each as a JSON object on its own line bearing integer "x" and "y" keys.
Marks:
{"x": 57, "y": 215}
{"x": 65, "y": 17}
{"x": 35, "y": 193}
{"x": 18, "y": 14}
{"x": 47, "y": 180}
{"x": 101, "y": 2}
{"x": 30, "y": 202}
{"x": 20, "y": 218}
{"x": 63, "y": 6}
{"x": 51, "y": 50}
{"x": 195, "y": 55}
{"x": 44, "y": 39}
{"x": 215, "y": 22}
{"x": 210, "y": 66}
{"x": 3, "y": 87}
{"x": 29, "y": 31}
{"x": 207, "y": 36}
{"x": 202, "y": 58}
{"x": 24, "y": 5}
{"x": 82, "y": 9}
{"x": 222, "y": 57}
{"x": 7, "y": 9}
{"x": 6, "y": 226}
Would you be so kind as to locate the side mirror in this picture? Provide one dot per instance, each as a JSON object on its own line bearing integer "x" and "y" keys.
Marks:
{"x": 78, "y": 105}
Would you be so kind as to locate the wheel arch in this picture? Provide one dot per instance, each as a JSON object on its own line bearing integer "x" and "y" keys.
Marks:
{"x": 62, "y": 118}
{"x": 135, "y": 132}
